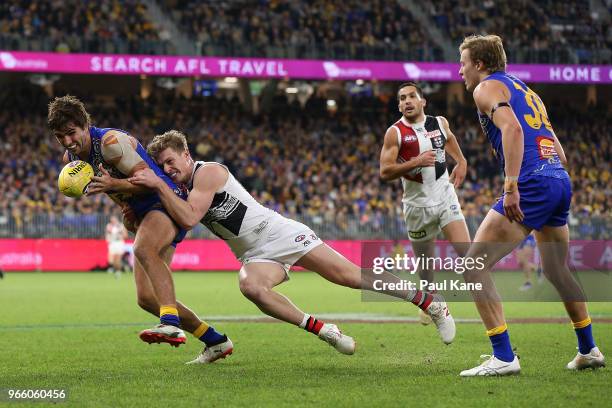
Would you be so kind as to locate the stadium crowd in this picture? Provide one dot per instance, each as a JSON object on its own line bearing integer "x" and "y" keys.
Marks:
{"x": 116, "y": 26}
{"x": 304, "y": 162}
{"x": 556, "y": 31}
{"x": 337, "y": 29}
{"x": 541, "y": 31}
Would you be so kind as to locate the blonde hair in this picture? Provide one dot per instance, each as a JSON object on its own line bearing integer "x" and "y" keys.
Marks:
{"x": 487, "y": 49}
{"x": 172, "y": 139}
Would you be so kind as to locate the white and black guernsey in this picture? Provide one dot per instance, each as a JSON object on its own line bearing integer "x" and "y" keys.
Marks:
{"x": 234, "y": 215}
{"x": 423, "y": 186}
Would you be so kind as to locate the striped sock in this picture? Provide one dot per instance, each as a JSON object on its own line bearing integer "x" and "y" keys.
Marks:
{"x": 208, "y": 335}
{"x": 311, "y": 324}
{"x": 500, "y": 340}
{"x": 421, "y": 299}
{"x": 584, "y": 332}
{"x": 168, "y": 314}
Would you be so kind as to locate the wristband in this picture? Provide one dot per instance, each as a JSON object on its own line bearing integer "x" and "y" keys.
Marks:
{"x": 511, "y": 184}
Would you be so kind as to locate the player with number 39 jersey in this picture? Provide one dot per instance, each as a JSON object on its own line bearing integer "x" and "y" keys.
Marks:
{"x": 537, "y": 195}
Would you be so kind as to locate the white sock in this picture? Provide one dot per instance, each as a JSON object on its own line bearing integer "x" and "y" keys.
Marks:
{"x": 304, "y": 320}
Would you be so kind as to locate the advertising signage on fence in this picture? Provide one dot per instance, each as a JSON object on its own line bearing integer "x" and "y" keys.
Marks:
{"x": 124, "y": 64}
{"x": 214, "y": 255}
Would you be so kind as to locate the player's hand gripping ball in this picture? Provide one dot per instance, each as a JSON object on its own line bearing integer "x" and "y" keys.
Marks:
{"x": 74, "y": 178}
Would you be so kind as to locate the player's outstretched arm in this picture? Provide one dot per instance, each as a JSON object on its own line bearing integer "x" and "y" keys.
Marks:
{"x": 186, "y": 214}
{"x": 118, "y": 150}
{"x": 390, "y": 169}
{"x": 454, "y": 150}
{"x": 490, "y": 94}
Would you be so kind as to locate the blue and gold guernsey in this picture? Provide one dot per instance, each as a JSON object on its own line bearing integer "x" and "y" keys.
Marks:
{"x": 141, "y": 204}
{"x": 544, "y": 185}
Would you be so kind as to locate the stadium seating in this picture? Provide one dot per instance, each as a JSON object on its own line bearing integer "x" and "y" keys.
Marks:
{"x": 303, "y": 162}
{"x": 80, "y": 26}
{"x": 540, "y": 31}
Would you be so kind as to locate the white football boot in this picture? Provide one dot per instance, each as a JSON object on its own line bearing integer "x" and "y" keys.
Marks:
{"x": 210, "y": 354}
{"x": 592, "y": 360}
{"x": 493, "y": 367}
{"x": 164, "y": 333}
{"x": 334, "y": 337}
{"x": 438, "y": 311}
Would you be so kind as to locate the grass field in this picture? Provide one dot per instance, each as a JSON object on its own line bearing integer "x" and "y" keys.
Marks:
{"x": 79, "y": 332}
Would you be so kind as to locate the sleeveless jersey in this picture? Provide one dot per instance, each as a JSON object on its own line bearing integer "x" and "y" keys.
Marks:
{"x": 140, "y": 203}
{"x": 234, "y": 215}
{"x": 540, "y": 156}
{"x": 423, "y": 186}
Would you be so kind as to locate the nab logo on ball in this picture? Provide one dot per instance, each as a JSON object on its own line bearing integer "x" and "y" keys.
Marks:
{"x": 74, "y": 178}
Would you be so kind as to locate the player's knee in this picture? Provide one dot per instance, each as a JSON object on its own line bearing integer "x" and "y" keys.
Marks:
{"x": 145, "y": 254}
{"x": 252, "y": 289}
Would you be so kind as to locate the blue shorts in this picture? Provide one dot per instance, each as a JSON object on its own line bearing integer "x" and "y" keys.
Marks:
{"x": 544, "y": 201}
{"x": 153, "y": 203}
{"x": 528, "y": 242}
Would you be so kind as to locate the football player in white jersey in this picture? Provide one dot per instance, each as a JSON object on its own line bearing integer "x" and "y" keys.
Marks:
{"x": 265, "y": 242}
{"x": 414, "y": 150}
{"x": 115, "y": 235}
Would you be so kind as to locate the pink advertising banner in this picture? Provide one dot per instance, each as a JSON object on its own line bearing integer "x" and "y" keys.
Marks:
{"x": 214, "y": 255}
{"x": 42, "y": 62}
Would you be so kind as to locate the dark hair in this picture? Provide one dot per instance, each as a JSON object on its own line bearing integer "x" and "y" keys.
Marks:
{"x": 64, "y": 110}
{"x": 410, "y": 83}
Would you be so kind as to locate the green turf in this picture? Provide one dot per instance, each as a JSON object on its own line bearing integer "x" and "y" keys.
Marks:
{"x": 79, "y": 331}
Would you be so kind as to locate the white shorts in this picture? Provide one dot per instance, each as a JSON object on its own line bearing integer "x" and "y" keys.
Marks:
{"x": 116, "y": 248}
{"x": 424, "y": 223}
{"x": 286, "y": 242}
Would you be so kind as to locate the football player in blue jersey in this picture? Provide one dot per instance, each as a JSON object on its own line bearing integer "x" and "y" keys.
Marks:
{"x": 115, "y": 155}
{"x": 537, "y": 194}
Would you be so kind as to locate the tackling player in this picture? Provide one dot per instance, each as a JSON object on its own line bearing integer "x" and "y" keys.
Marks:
{"x": 265, "y": 242}
{"x": 537, "y": 194}
{"x": 114, "y": 152}
{"x": 414, "y": 150}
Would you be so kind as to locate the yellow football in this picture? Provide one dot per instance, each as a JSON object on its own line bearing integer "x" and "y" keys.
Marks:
{"x": 74, "y": 178}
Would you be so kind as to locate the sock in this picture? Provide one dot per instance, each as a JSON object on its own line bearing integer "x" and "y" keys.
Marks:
{"x": 208, "y": 335}
{"x": 168, "y": 314}
{"x": 311, "y": 324}
{"x": 584, "y": 332}
{"x": 500, "y": 340}
{"x": 420, "y": 299}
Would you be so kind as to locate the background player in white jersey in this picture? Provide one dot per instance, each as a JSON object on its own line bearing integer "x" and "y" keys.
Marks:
{"x": 265, "y": 242}
{"x": 115, "y": 235}
{"x": 414, "y": 150}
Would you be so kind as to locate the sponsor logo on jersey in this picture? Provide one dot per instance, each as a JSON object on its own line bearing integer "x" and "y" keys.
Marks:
{"x": 306, "y": 243}
{"x": 453, "y": 207}
{"x": 410, "y": 138}
{"x": 546, "y": 147}
{"x": 417, "y": 234}
{"x": 437, "y": 142}
{"x": 313, "y": 237}
{"x": 300, "y": 238}
{"x": 433, "y": 133}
